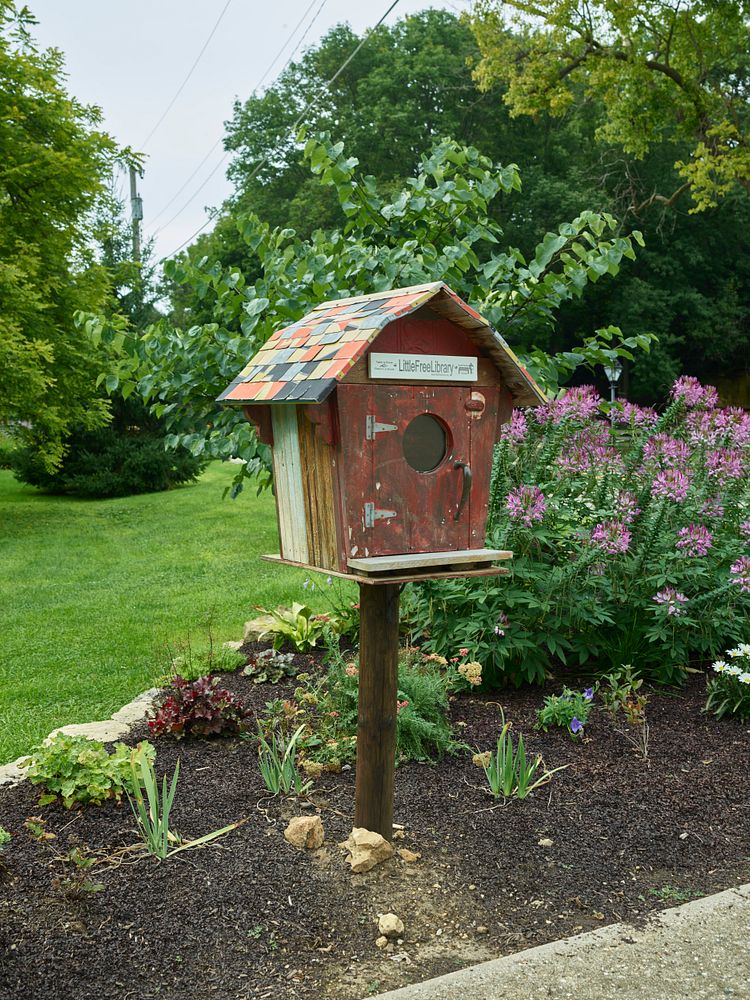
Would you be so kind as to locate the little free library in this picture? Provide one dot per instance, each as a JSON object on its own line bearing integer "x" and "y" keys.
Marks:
{"x": 382, "y": 412}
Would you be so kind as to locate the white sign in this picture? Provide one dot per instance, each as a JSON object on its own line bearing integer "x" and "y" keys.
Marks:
{"x": 427, "y": 367}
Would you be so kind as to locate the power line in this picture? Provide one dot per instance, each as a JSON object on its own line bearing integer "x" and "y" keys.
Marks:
{"x": 296, "y": 124}
{"x": 190, "y": 73}
{"x": 218, "y": 142}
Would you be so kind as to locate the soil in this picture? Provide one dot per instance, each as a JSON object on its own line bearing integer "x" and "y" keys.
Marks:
{"x": 249, "y": 916}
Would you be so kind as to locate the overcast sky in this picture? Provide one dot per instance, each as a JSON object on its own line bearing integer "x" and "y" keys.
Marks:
{"x": 130, "y": 57}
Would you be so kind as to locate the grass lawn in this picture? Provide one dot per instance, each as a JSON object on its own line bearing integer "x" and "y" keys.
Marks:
{"x": 91, "y": 591}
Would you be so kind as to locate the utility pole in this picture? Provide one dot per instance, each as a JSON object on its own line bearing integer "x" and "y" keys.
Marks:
{"x": 136, "y": 215}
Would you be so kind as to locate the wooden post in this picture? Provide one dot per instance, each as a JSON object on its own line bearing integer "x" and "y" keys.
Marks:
{"x": 376, "y": 728}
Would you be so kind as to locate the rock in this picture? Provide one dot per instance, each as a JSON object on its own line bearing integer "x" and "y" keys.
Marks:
{"x": 366, "y": 849}
{"x": 257, "y": 627}
{"x": 11, "y": 774}
{"x": 546, "y": 842}
{"x": 481, "y": 929}
{"x": 235, "y": 646}
{"x": 381, "y": 942}
{"x": 390, "y": 925}
{"x": 305, "y": 832}
{"x": 107, "y": 731}
{"x": 408, "y": 856}
{"x": 136, "y": 709}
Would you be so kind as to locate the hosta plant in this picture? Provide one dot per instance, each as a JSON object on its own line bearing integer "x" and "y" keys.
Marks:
{"x": 631, "y": 541}
{"x": 199, "y": 708}
{"x": 729, "y": 684}
{"x": 296, "y": 626}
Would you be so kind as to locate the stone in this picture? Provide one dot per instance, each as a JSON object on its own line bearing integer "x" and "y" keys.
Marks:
{"x": 481, "y": 929}
{"x": 107, "y": 731}
{"x": 408, "y": 856}
{"x": 11, "y": 774}
{"x": 136, "y": 709}
{"x": 390, "y": 926}
{"x": 381, "y": 942}
{"x": 305, "y": 832}
{"x": 234, "y": 645}
{"x": 546, "y": 842}
{"x": 366, "y": 849}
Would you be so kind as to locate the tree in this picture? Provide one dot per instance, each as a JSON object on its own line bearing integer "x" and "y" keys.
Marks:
{"x": 54, "y": 163}
{"x": 436, "y": 227}
{"x": 661, "y": 69}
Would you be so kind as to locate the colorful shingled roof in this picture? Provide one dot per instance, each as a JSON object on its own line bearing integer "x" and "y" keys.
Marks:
{"x": 303, "y": 362}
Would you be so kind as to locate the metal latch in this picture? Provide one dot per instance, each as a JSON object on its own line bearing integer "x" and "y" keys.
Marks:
{"x": 372, "y": 515}
{"x": 373, "y": 427}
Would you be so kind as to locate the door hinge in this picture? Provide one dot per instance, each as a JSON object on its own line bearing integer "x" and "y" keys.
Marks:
{"x": 372, "y": 515}
{"x": 373, "y": 427}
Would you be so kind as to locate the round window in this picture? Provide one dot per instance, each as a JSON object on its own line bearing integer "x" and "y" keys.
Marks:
{"x": 425, "y": 443}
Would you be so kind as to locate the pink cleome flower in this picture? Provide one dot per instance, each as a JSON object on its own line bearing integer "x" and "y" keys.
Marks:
{"x": 672, "y": 600}
{"x": 724, "y": 463}
{"x": 579, "y": 403}
{"x": 740, "y": 573}
{"x": 611, "y": 536}
{"x": 526, "y": 504}
{"x": 666, "y": 451}
{"x": 692, "y": 393}
{"x": 516, "y": 429}
{"x": 671, "y": 484}
{"x": 745, "y": 529}
{"x": 636, "y": 416}
{"x": 694, "y": 540}
{"x": 627, "y": 506}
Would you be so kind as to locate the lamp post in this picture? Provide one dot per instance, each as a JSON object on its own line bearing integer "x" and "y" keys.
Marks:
{"x": 613, "y": 371}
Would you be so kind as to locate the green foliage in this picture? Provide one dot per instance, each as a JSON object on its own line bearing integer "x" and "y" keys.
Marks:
{"x": 509, "y": 772}
{"x": 423, "y": 731}
{"x": 7, "y": 449}
{"x": 190, "y": 663}
{"x": 124, "y": 458}
{"x": 296, "y": 626}
{"x": 277, "y": 760}
{"x": 152, "y": 811}
{"x": 80, "y": 770}
{"x": 674, "y": 70}
{"x": 729, "y": 687}
{"x": 565, "y": 710}
{"x": 5, "y": 837}
{"x": 620, "y": 689}
{"x": 436, "y": 227}
{"x": 55, "y": 164}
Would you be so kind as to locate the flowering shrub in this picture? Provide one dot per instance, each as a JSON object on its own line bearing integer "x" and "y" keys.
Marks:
{"x": 200, "y": 708}
{"x": 631, "y": 541}
{"x": 570, "y": 709}
{"x": 729, "y": 689}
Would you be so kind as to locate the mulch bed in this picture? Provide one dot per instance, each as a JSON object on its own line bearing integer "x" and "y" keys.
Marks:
{"x": 251, "y": 917}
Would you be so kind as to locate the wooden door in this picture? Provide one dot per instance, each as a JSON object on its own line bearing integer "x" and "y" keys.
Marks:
{"x": 403, "y": 491}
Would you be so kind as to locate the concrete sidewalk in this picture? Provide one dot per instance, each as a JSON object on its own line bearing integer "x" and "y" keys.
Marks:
{"x": 698, "y": 951}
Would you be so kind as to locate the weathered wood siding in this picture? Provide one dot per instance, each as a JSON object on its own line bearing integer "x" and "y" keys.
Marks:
{"x": 287, "y": 469}
{"x": 318, "y": 492}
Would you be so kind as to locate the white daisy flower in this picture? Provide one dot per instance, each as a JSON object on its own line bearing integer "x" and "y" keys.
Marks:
{"x": 744, "y": 648}
{"x": 720, "y": 666}
{"x": 734, "y": 671}
{"x": 744, "y": 678}
{"x": 734, "y": 653}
